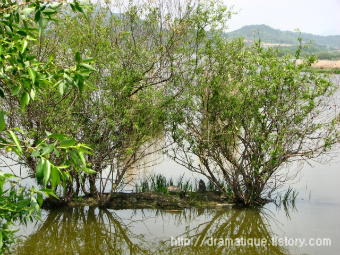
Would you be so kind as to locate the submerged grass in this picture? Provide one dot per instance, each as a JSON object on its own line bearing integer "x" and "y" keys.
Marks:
{"x": 154, "y": 183}
{"x": 288, "y": 198}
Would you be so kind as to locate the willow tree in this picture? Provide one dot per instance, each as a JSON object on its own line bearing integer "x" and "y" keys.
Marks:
{"x": 141, "y": 56}
{"x": 249, "y": 114}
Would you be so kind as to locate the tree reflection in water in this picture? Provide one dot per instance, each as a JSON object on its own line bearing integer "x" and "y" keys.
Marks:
{"x": 101, "y": 231}
{"x": 80, "y": 231}
{"x": 216, "y": 235}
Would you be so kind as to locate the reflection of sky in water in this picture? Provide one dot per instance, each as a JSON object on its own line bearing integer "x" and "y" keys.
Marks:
{"x": 315, "y": 216}
{"x": 151, "y": 230}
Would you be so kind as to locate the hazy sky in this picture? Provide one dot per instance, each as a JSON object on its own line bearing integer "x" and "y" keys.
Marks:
{"x": 321, "y": 17}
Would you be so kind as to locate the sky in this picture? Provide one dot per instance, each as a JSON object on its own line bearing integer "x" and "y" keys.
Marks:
{"x": 320, "y": 17}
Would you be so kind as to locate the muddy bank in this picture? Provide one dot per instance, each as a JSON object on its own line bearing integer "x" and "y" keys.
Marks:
{"x": 149, "y": 200}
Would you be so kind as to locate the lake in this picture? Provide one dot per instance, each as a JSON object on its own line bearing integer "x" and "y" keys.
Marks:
{"x": 311, "y": 227}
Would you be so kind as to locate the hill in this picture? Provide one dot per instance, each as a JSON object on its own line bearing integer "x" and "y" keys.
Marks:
{"x": 276, "y": 36}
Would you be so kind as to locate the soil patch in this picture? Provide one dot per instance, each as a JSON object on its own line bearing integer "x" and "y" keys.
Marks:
{"x": 327, "y": 64}
{"x": 324, "y": 64}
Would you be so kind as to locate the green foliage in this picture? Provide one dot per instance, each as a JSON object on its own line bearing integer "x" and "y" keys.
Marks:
{"x": 159, "y": 183}
{"x": 23, "y": 72}
{"x": 184, "y": 185}
{"x": 248, "y": 113}
{"x": 140, "y": 57}
{"x": 24, "y": 76}
{"x": 17, "y": 204}
{"x": 331, "y": 55}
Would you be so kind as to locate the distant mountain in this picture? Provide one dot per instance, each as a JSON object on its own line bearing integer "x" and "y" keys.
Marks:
{"x": 276, "y": 36}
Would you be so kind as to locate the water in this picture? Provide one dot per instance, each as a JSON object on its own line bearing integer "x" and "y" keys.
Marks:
{"x": 94, "y": 231}
{"x": 311, "y": 227}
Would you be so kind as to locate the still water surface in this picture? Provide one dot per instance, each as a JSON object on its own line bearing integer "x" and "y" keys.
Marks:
{"x": 311, "y": 227}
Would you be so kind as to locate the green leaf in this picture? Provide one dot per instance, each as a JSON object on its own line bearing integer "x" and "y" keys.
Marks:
{"x": 32, "y": 74}
{"x": 17, "y": 17}
{"x": 8, "y": 31}
{"x": 55, "y": 177}
{"x": 82, "y": 145}
{"x": 91, "y": 85}
{"x": 19, "y": 129}
{"x": 76, "y": 4}
{"x": 87, "y": 66}
{"x": 72, "y": 7}
{"x": 16, "y": 90}
{"x": 37, "y": 16}
{"x": 48, "y": 149}
{"x": 22, "y": 33}
{"x": 52, "y": 194}
{"x": 84, "y": 151}
{"x": 81, "y": 86}
{"x": 82, "y": 158}
{"x": 27, "y": 11}
{"x": 55, "y": 5}
{"x": 74, "y": 157}
{"x": 24, "y": 44}
{"x": 49, "y": 11}
{"x": 48, "y": 133}
{"x": 47, "y": 172}
{"x": 61, "y": 87}
{"x": 88, "y": 170}
{"x": 49, "y": 192}
{"x": 67, "y": 143}
{"x": 88, "y": 60}
{"x": 25, "y": 99}
{"x": 5, "y": 76}
{"x": 42, "y": 25}
{"x": 35, "y": 205}
{"x": 1, "y": 243}
{"x": 39, "y": 170}
{"x": 40, "y": 198}
{"x": 2, "y": 92}
{"x": 56, "y": 152}
{"x": 24, "y": 203}
{"x": 2, "y": 121}
{"x": 32, "y": 93}
{"x": 15, "y": 140}
{"x": 78, "y": 57}
{"x": 35, "y": 153}
{"x": 63, "y": 167}
{"x": 59, "y": 137}
{"x": 9, "y": 175}
{"x": 68, "y": 78}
